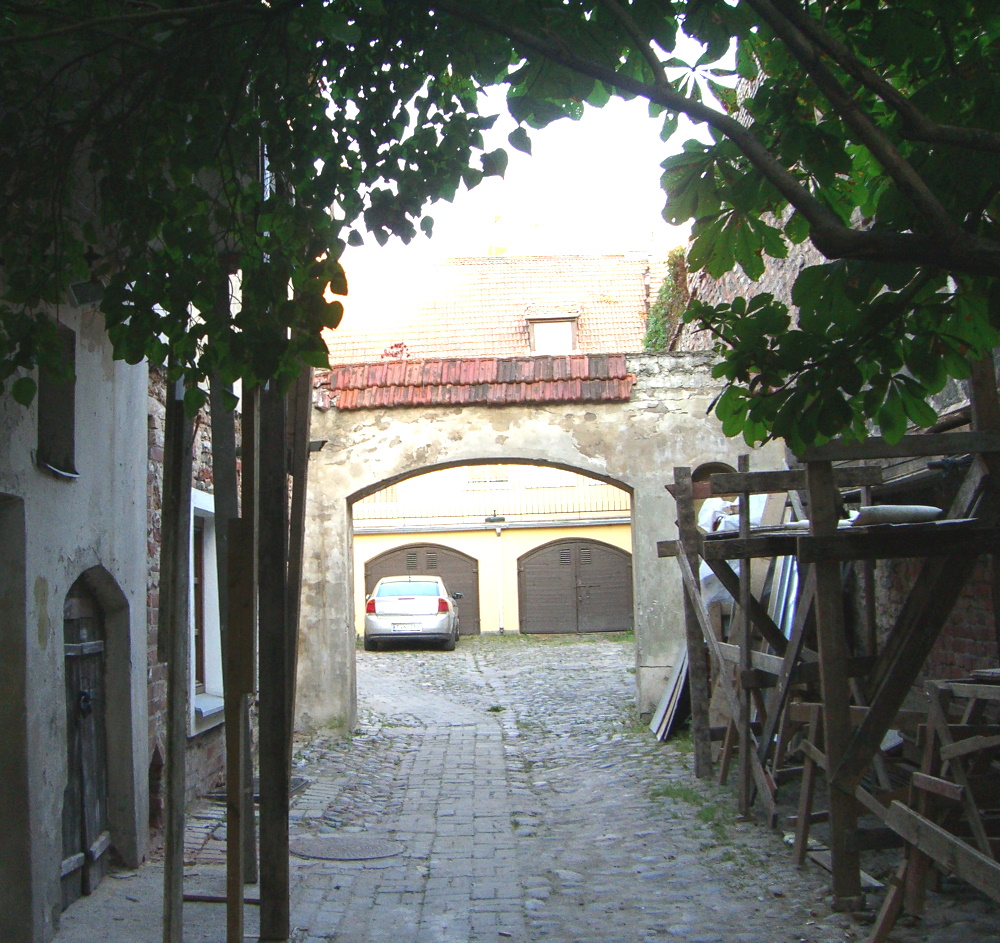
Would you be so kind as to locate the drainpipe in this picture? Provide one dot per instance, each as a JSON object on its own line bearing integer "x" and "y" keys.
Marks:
{"x": 498, "y": 522}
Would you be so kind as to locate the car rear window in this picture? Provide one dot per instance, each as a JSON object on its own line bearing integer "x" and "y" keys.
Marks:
{"x": 408, "y": 589}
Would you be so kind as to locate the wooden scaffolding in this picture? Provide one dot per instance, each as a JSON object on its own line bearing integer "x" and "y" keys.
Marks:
{"x": 824, "y": 683}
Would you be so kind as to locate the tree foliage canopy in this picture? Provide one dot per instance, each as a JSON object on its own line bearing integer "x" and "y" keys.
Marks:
{"x": 132, "y": 137}
{"x": 870, "y": 127}
{"x": 131, "y": 133}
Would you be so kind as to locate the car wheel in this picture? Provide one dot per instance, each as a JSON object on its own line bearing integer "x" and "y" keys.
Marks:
{"x": 370, "y": 645}
{"x": 449, "y": 646}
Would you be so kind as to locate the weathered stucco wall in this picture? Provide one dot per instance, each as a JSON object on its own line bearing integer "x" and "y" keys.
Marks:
{"x": 53, "y": 531}
{"x": 634, "y": 445}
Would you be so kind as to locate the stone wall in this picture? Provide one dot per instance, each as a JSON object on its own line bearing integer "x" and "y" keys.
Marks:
{"x": 633, "y": 444}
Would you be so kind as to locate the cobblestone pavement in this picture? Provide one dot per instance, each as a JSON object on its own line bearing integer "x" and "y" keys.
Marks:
{"x": 515, "y": 797}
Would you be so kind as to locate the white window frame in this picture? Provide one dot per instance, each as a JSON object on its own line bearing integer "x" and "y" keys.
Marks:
{"x": 205, "y": 710}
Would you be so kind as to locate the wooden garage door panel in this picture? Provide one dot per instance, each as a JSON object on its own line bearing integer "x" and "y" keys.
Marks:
{"x": 604, "y": 589}
{"x": 546, "y": 591}
{"x": 459, "y": 572}
{"x": 575, "y": 586}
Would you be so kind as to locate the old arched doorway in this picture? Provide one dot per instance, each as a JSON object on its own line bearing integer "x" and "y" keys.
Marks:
{"x": 570, "y": 586}
{"x": 86, "y": 834}
{"x": 459, "y": 571}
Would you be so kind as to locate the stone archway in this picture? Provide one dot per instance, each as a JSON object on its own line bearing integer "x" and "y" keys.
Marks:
{"x": 633, "y": 444}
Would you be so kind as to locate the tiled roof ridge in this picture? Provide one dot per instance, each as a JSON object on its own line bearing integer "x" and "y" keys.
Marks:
{"x": 501, "y": 381}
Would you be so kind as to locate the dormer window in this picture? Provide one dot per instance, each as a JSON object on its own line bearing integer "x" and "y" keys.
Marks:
{"x": 552, "y": 330}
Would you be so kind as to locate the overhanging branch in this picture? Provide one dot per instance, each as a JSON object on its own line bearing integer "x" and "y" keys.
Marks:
{"x": 955, "y": 250}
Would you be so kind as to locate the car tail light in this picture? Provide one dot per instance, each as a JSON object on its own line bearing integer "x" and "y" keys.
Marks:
{"x": 370, "y": 606}
{"x": 442, "y": 604}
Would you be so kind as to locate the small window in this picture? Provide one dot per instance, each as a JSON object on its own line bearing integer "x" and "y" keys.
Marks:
{"x": 411, "y": 560}
{"x": 57, "y": 412}
{"x": 553, "y": 337}
{"x": 585, "y": 556}
{"x": 565, "y": 557}
{"x": 432, "y": 560}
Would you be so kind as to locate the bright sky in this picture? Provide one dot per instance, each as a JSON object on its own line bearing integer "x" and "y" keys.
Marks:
{"x": 589, "y": 186}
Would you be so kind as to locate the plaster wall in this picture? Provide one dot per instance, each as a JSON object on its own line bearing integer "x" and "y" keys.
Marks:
{"x": 53, "y": 531}
{"x": 634, "y": 445}
{"x": 493, "y": 554}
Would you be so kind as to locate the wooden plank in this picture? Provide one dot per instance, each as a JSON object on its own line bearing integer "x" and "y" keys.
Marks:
{"x": 745, "y": 636}
{"x": 667, "y": 548}
{"x": 299, "y": 413}
{"x": 834, "y": 683}
{"x": 173, "y": 628}
{"x": 697, "y": 668}
{"x": 725, "y": 547}
{"x": 274, "y": 721}
{"x": 942, "y": 788}
{"x": 755, "y": 679}
{"x": 982, "y": 692}
{"x": 699, "y": 490}
{"x": 233, "y": 600}
{"x": 972, "y": 745}
{"x": 761, "y": 660}
{"x": 955, "y": 856}
{"x": 238, "y": 684}
{"x": 249, "y": 505}
{"x": 774, "y": 482}
{"x": 941, "y": 443}
{"x": 894, "y": 541}
{"x": 666, "y": 711}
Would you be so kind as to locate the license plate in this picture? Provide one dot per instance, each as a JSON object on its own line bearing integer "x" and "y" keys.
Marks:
{"x": 404, "y": 626}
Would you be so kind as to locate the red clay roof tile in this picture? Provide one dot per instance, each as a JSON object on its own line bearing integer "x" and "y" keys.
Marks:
{"x": 487, "y": 381}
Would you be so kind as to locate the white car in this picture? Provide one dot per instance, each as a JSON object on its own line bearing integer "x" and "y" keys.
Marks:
{"x": 411, "y": 607}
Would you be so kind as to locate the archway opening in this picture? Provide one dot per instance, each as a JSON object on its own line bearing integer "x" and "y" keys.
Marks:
{"x": 479, "y": 521}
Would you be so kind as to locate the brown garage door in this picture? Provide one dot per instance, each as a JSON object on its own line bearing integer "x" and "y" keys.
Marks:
{"x": 575, "y": 586}
{"x": 459, "y": 572}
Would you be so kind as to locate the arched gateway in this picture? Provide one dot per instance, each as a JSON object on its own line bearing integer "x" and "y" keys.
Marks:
{"x": 627, "y": 420}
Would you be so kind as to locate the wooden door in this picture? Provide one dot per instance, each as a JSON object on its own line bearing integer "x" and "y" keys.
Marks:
{"x": 459, "y": 571}
{"x": 85, "y": 801}
{"x": 571, "y": 586}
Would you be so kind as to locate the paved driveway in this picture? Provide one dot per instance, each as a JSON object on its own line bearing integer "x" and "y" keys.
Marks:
{"x": 505, "y": 792}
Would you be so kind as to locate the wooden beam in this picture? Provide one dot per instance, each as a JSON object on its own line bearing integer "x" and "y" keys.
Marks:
{"x": 942, "y": 788}
{"x": 724, "y": 547}
{"x": 226, "y": 498}
{"x": 697, "y": 665}
{"x": 954, "y": 855}
{"x": 910, "y": 446}
{"x": 238, "y": 682}
{"x": 745, "y": 637}
{"x": 775, "y": 482}
{"x": 893, "y": 541}
{"x": 249, "y": 502}
{"x": 833, "y": 652}
{"x": 173, "y": 644}
{"x": 274, "y": 699}
{"x": 299, "y": 414}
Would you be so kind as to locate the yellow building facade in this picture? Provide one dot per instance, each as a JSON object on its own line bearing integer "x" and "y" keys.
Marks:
{"x": 505, "y": 521}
